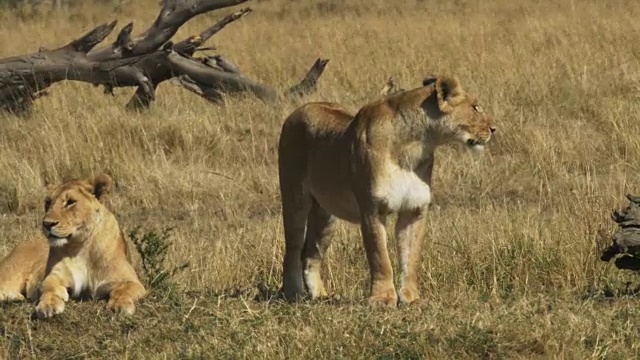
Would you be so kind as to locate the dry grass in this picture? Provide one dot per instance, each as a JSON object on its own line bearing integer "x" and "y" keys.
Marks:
{"x": 511, "y": 265}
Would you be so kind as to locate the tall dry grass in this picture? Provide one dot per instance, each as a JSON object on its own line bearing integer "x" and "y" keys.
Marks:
{"x": 511, "y": 263}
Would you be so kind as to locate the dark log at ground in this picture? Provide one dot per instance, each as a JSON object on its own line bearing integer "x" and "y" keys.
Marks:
{"x": 144, "y": 62}
{"x": 625, "y": 247}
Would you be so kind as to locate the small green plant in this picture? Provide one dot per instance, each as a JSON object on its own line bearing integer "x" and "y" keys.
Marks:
{"x": 153, "y": 248}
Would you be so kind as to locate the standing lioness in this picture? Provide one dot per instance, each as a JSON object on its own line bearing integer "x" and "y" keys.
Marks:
{"x": 85, "y": 256}
{"x": 362, "y": 168}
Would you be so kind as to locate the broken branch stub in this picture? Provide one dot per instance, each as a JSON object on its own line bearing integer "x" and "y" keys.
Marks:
{"x": 189, "y": 45}
{"x": 214, "y": 76}
{"x": 172, "y": 16}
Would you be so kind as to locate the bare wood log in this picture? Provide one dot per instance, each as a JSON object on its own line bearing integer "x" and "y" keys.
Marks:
{"x": 144, "y": 61}
{"x": 23, "y": 78}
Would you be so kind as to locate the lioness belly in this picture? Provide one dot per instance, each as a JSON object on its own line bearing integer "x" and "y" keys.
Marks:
{"x": 340, "y": 204}
{"x": 329, "y": 181}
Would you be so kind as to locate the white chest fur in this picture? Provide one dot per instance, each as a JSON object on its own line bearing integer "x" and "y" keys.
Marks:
{"x": 402, "y": 190}
{"x": 80, "y": 278}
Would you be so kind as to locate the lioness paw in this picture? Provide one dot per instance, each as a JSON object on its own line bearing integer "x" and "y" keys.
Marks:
{"x": 9, "y": 296}
{"x": 121, "y": 305}
{"x": 409, "y": 296}
{"x": 48, "y": 307}
{"x": 386, "y": 299}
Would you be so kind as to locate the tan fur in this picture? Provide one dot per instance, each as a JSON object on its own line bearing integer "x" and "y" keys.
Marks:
{"x": 361, "y": 169}
{"x": 86, "y": 255}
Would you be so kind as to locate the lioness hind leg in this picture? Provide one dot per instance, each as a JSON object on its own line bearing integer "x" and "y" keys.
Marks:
{"x": 12, "y": 286}
{"x": 296, "y": 203}
{"x": 22, "y": 270}
{"x": 320, "y": 226}
{"x": 10, "y": 295}
{"x": 409, "y": 233}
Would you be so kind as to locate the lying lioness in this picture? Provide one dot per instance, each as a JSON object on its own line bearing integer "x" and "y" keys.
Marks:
{"x": 85, "y": 256}
{"x": 362, "y": 168}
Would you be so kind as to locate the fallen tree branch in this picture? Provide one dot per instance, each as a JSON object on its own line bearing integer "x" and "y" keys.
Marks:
{"x": 144, "y": 61}
{"x": 23, "y": 78}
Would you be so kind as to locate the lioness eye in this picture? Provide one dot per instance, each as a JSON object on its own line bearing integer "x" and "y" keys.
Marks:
{"x": 47, "y": 204}
{"x": 69, "y": 203}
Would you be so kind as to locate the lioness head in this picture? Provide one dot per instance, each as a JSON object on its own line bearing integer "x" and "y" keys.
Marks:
{"x": 72, "y": 208}
{"x": 463, "y": 120}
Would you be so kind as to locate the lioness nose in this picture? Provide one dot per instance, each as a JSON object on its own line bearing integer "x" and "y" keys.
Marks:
{"x": 492, "y": 129}
{"x": 49, "y": 224}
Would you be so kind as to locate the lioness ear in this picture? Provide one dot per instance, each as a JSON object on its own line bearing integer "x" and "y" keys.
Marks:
{"x": 49, "y": 185}
{"x": 449, "y": 93}
{"x": 101, "y": 184}
{"x": 428, "y": 80}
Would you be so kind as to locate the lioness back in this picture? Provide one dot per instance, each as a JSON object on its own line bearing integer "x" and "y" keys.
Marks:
{"x": 313, "y": 142}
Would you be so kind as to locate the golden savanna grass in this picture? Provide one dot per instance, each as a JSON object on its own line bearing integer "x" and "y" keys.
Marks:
{"x": 511, "y": 265}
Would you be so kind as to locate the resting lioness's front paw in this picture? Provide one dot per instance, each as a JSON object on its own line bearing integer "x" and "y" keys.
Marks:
{"x": 121, "y": 305}
{"x": 49, "y": 306}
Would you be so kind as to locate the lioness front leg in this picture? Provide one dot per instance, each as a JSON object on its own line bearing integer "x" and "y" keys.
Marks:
{"x": 409, "y": 233}
{"x": 53, "y": 293}
{"x": 123, "y": 296}
{"x": 382, "y": 291}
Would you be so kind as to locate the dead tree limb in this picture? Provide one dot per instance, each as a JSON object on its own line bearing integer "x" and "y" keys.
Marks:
{"x": 214, "y": 76}
{"x": 158, "y": 70}
{"x": 310, "y": 81}
{"x": 144, "y": 61}
{"x": 24, "y": 78}
{"x": 225, "y": 82}
{"x": 190, "y": 45}
{"x": 172, "y": 16}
